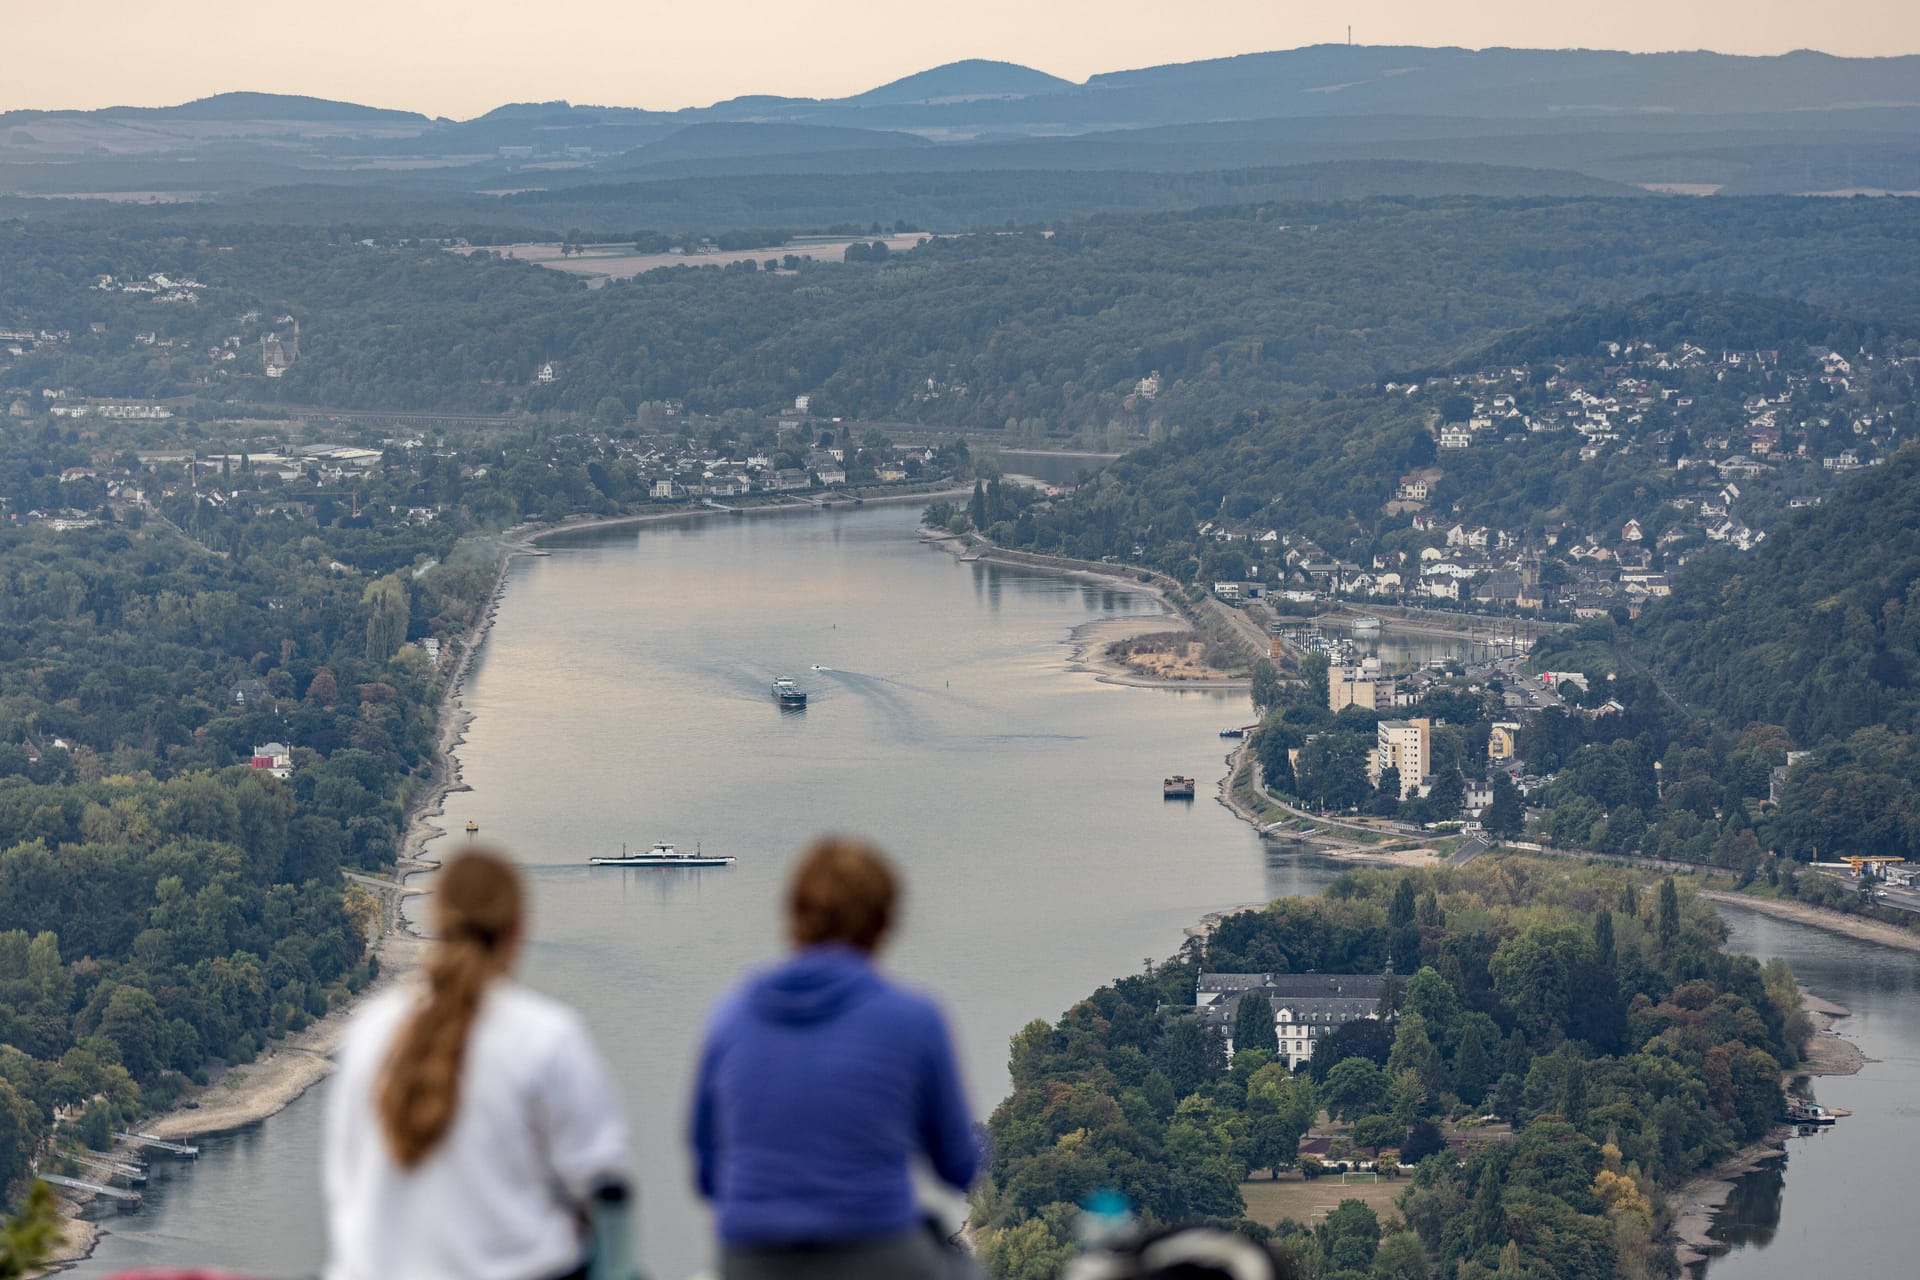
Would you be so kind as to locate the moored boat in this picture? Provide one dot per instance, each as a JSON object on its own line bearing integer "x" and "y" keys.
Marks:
{"x": 1808, "y": 1113}
{"x": 663, "y": 854}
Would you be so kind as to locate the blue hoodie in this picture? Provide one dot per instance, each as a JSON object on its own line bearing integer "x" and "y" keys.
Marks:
{"x": 819, "y": 1083}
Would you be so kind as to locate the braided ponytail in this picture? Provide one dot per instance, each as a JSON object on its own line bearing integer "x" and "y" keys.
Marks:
{"x": 477, "y": 908}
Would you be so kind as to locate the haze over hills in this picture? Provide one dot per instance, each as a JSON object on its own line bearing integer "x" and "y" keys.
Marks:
{"x": 1699, "y": 122}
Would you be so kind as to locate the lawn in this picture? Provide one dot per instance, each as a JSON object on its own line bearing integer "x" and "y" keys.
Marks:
{"x": 1294, "y": 1197}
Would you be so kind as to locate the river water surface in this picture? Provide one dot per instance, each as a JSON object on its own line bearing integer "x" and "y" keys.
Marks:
{"x": 623, "y": 697}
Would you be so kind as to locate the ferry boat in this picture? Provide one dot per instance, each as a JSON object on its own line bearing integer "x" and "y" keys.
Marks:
{"x": 1178, "y": 787}
{"x": 663, "y": 854}
{"x": 787, "y": 693}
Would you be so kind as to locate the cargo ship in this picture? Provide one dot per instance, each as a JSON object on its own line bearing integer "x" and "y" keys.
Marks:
{"x": 788, "y": 694}
{"x": 663, "y": 854}
{"x": 1178, "y": 787}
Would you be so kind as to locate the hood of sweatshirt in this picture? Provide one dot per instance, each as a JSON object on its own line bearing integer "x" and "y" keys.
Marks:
{"x": 816, "y": 985}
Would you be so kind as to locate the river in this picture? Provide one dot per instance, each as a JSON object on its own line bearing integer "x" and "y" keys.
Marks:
{"x": 1838, "y": 1203}
{"x": 623, "y": 697}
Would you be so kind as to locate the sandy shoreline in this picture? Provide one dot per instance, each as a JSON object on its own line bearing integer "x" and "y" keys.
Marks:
{"x": 1859, "y": 927}
{"x": 1090, "y": 639}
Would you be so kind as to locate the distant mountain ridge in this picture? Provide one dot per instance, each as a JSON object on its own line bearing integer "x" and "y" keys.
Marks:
{"x": 269, "y": 106}
{"x": 972, "y": 78}
{"x": 1689, "y": 122}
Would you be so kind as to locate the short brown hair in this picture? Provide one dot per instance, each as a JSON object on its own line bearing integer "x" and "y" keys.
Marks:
{"x": 843, "y": 891}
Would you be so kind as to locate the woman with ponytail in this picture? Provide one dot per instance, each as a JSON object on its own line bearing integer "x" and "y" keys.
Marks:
{"x": 472, "y": 1129}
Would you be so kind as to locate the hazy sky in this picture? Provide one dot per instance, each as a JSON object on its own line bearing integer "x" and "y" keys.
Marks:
{"x": 461, "y": 57}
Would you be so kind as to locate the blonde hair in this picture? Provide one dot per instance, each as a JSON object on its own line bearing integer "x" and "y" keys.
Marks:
{"x": 843, "y": 891}
{"x": 478, "y": 914}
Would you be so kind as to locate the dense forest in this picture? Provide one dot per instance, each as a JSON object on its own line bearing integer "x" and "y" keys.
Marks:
{"x": 1614, "y": 1045}
{"x": 166, "y": 911}
{"x": 1233, "y": 309}
{"x": 1818, "y": 632}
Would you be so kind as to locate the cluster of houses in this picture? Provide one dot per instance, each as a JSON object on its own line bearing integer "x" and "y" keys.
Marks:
{"x": 679, "y": 470}
{"x": 158, "y": 286}
{"x": 1723, "y": 430}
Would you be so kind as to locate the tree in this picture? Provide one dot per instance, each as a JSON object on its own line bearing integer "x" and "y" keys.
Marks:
{"x": 977, "y": 507}
{"x": 1400, "y": 910}
{"x": 1505, "y": 817}
{"x": 1349, "y": 1236}
{"x": 1253, "y": 1026}
{"x": 1534, "y": 974}
{"x": 388, "y": 610}
{"x": 1423, "y": 1139}
{"x": 1354, "y": 1088}
{"x": 1471, "y": 1067}
{"x": 1401, "y": 1255}
{"x": 1413, "y": 1051}
{"x": 1386, "y": 795}
{"x": 1376, "y": 1132}
{"x": 1449, "y": 793}
{"x": 28, "y": 1240}
{"x": 1266, "y": 688}
{"x": 1029, "y": 1250}
{"x": 1191, "y": 1055}
{"x": 1331, "y": 771}
{"x": 1669, "y": 913}
{"x": 1272, "y": 747}
{"x": 322, "y": 691}
{"x": 1368, "y": 1038}
{"x": 1314, "y": 669}
{"x": 1603, "y": 944}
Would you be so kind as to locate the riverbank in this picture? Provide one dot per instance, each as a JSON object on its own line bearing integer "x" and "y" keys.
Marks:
{"x": 254, "y": 1091}
{"x": 1857, "y": 927}
{"x": 1091, "y": 640}
{"x": 1697, "y": 1202}
{"x": 531, "y": 535}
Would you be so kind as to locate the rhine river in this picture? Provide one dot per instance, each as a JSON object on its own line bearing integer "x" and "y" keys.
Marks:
{"x": 623, "y": 698}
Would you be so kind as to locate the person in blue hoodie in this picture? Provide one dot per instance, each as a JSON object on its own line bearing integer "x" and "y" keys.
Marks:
{"x": 820, "y": 1085}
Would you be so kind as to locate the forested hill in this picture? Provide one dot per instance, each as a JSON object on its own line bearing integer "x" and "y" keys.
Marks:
{"x": 1819, "y": 629}
{"x": 1327, "y": 469}
{"x": 1230, "y": 308}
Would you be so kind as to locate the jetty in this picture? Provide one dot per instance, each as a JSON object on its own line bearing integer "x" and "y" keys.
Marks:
{"x": 126, "y": 1200}
{"x": 136, "y": 1175}
{"x": 179, "y": 1150}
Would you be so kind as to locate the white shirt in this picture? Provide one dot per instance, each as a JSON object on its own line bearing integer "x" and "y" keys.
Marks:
{"x": 538, "y": 1125}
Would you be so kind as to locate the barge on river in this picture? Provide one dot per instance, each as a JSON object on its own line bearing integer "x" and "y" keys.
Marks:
{"x": 1178, "y": 787}
{"x": 788, "y": 694}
